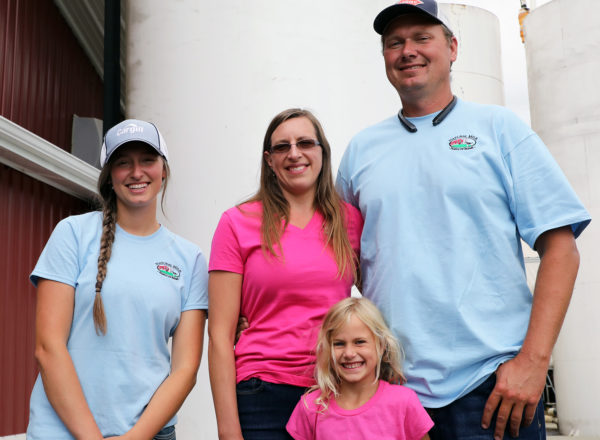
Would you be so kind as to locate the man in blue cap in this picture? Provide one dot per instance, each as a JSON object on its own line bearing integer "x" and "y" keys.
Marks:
{"x": 448, "y": 189}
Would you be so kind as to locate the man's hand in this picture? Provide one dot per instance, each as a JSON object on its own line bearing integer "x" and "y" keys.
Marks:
{"x": 241, "y": 326}
{"x": 519, "y": 385}
{"x": 520, "y": 381}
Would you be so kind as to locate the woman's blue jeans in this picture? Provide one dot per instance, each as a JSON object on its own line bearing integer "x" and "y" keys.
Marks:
{"x": 264, "y": 408}
{"x": 167, "y": 433}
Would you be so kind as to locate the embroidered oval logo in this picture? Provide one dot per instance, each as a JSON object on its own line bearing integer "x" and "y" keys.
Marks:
{"x": 463, "y": 142}
{"x": 168, "y": 270}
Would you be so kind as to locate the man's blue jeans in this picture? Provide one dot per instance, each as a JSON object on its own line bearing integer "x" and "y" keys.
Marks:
{"x": 264, "y": 408}
{"x": 461, "y": 420}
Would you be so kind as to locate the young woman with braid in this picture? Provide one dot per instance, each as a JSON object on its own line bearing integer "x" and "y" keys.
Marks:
{"x": 113, "y": 287}
{"x": 280, "y": 260}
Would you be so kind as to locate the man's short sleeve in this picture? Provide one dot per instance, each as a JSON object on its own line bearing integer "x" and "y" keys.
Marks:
{"x": 543, "y": 199}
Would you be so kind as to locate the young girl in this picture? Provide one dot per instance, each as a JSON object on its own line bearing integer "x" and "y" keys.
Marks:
{"x": 358, "y": 359}
{"x": 112, "y": 288}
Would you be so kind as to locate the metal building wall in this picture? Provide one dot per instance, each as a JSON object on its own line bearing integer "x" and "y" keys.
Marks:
{"x": 45, "y": 76}
{"x": 29, "y": 210}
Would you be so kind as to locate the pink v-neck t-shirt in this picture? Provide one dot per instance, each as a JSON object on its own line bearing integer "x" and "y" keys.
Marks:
{"x": 283, "y": 299}
{"x": 393, "y": 413}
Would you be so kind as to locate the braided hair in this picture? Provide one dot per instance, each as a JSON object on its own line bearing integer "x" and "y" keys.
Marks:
{"x": 108, "y": 199}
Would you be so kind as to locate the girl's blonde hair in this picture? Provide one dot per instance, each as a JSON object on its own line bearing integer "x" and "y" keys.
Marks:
{"x": 275, "y": 207}
{"x": 387, "y": 347}
{"x": 108, "y": 202}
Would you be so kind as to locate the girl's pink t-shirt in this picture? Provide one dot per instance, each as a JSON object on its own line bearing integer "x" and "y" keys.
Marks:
{"x": 393, "y": 413}
{"x": 283, "y": 299}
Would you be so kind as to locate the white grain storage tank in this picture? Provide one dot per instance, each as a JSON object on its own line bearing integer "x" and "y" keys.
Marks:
{"x": 477, "y": 72}
{"x": 211, "y": 75}
{"x": 562, "y": 41}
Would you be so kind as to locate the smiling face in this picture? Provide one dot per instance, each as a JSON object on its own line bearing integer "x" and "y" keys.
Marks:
{"x": 136, "y": 173}
{"x": 355, "y": 354}
{"x": 418, "y": 57}
{"x": 298, "y": 169}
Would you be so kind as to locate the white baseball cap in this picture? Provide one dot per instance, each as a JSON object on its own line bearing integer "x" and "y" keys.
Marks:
{"x": 132, "y": 130}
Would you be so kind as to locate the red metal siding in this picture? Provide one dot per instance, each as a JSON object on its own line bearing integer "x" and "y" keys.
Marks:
{"x": 45, "y": 77}
{"x": 29, "y": 210}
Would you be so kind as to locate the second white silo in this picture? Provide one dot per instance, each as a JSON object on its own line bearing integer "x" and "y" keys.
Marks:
{"x": 562, "y": 41}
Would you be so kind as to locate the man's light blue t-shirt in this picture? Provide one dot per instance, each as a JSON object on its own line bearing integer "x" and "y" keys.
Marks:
{"x": 441, "y": 256}
{"x": 150, "y": 281}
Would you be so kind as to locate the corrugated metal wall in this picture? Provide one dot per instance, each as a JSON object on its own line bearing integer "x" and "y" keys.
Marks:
{"x": 45, "y": 76}
{"x": 29, "y": 210}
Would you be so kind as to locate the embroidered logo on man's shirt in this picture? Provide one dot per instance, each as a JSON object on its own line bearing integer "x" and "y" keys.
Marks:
{"x": 463, "y": 142}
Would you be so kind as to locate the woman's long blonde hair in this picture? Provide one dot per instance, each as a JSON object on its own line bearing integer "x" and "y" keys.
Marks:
{"x": 387, "y": 347}
{"x": 276, "y": 208}
{"x": 108, "y": 202}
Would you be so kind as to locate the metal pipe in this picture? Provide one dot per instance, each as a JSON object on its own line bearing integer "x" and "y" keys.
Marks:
{"x": 112, "y": 64}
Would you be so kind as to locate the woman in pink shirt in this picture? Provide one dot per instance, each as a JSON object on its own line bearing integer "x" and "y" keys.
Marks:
{"x": 281, "y": 260}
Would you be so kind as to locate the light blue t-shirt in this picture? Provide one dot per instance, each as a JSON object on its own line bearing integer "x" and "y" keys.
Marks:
{"x": 444, "y": 210}
{"x": 150, "y": 281}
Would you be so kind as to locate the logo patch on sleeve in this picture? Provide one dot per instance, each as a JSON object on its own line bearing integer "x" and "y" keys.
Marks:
{"x": 463, "y": 142}
{"x": 169, "y": 270}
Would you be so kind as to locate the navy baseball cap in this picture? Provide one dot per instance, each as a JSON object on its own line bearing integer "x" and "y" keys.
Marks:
{"x": 132, "y": 130}
{"x": 428, "y": 8}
